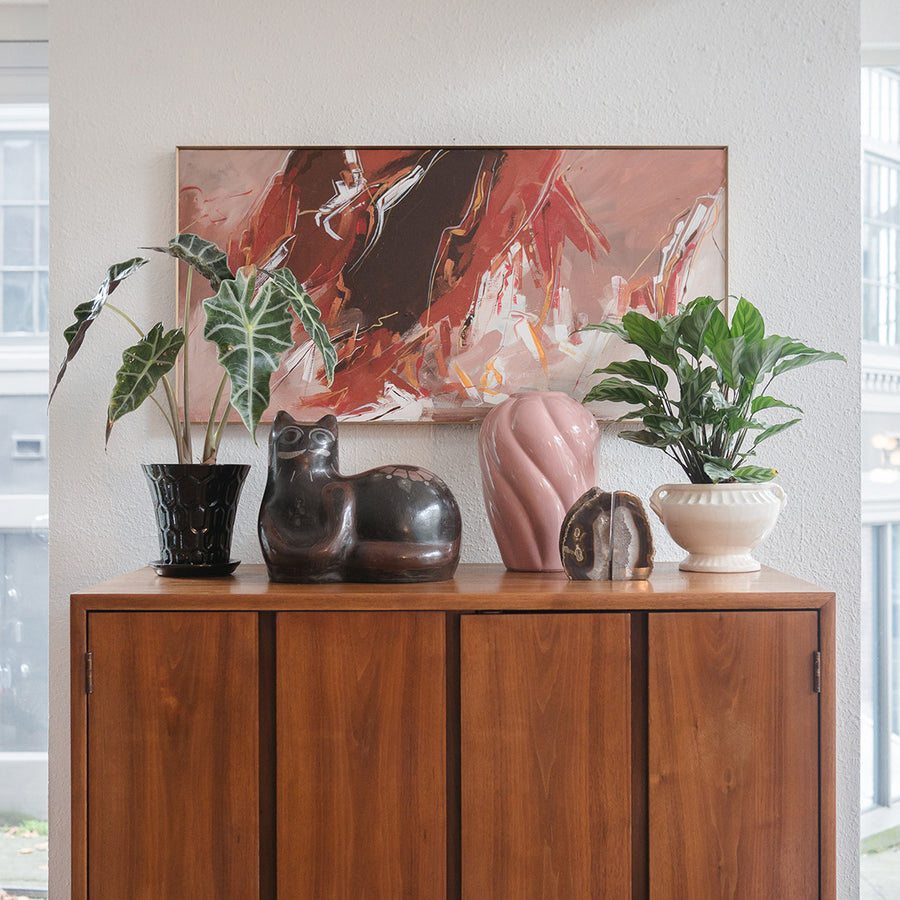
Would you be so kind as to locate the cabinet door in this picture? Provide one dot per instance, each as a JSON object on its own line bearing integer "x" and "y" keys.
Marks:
{"x": 172, "y": 755}
{"x": 546, "y": 756}
{"x": 733, "y": 752}
{"x": 361, "y": 755}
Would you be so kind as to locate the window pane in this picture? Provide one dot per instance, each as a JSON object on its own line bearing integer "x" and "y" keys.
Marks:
{"x": 18, "y": 236}
{"x": 23, "y": 626}
{"x": 867, "y": 679}
{"x": 43, "y": 148}
{"x": 43, "y": 303}
{"x": 43, "y": 236}
{"x": 18, "y": 306}
{"x": 18, "y": 170}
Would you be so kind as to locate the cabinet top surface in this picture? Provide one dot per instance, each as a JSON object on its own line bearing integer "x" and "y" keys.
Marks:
{"x": 474, "y": 588}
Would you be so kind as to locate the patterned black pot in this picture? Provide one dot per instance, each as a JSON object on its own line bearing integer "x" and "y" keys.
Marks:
{"x": 195, "y": 506}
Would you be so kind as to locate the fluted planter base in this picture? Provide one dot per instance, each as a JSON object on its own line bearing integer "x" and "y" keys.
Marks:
{"x": 718, "y": 524}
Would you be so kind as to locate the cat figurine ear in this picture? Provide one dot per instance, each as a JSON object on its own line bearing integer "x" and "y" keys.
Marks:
{"x": 328, "y": 421}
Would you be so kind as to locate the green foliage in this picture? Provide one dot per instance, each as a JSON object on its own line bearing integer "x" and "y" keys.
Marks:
{"x": 702, "y": 382}
{"x": 249, "y": 322}
{"x": 143, "y": 365}
{"x": 251, "y": 331}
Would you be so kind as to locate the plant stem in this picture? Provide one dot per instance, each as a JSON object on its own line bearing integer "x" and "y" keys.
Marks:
{"x": 127, "y": 318}
{"x": 221, "y": 429}
{"x": 173, "y": 410}
{"x": 208, "y": 449}
{"x": 186, "y": 421}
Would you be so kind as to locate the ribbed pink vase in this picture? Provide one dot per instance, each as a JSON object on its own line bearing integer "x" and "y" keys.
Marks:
{"x": 537, "y": 451}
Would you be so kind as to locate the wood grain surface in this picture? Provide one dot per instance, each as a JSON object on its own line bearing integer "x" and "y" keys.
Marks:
{"x": 546, "y": 756}
{"x": 475, "y": 587}
{"x": 733, "y": 755}
{"x": 361, "y": 755}
{"x": 172, "y": 756}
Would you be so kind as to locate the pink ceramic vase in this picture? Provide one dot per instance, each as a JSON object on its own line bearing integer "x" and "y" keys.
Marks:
{"x": 537, "y": 451}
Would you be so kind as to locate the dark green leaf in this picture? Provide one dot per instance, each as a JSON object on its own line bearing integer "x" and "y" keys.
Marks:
{"x": 805, "y": 358}
{"x": 143, "y": 364}
{"x": 86, "y": 313}
{"x": 759, "y": 403}
{"x": 609, "y": 327}
{"x": 310, "y": 317}
{"x": 727, "y": 353}
{"x": 637, "y": 370}
{"x": 204, "y": 257}
{"x": 251, "y": 335}
{"x": 694, "y": 387}
{"x": 695, "y": 324}
{"x": 717, "y": 329}
{"x": 646, "y": 438}
{"x": 618, "y": 391}
{"x": 772, "y": 430}
{"x": 747, "y": 321}
{"x": 662, "y": 424}
{"x": 754, "y": 474}
{"x": 718, "y": 470}
{"x": 642, "y": 331}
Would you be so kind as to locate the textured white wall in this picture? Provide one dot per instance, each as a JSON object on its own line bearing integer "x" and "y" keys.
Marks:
{"x": 777, "y": 83}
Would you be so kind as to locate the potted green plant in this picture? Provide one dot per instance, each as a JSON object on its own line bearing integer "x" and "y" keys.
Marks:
{"x": 698, "y": 394}
{"x": 249, "y": 319}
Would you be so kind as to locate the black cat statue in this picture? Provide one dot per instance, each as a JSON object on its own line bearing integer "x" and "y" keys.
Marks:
{"x": 395, "y": 524}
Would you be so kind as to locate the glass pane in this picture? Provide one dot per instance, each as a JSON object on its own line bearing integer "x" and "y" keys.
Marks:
{"x": 43, "y": 236}
{"x": 18, "y": 170}
{"x": 43, "y": 303}
{"x": 867, "y": 679}
{"x": 43, "y": 153}
{"x": 18, "y": 301}
{"x": 18, "y": 236}
{"x": 23, "y": 640}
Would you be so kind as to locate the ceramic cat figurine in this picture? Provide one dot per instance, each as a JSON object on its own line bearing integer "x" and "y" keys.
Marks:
{"x": 391, "y": 524}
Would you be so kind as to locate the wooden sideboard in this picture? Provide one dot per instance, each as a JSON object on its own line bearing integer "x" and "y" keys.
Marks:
{"x": 501, "y": 735}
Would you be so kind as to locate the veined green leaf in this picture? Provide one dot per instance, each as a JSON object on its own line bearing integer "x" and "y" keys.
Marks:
{"x": 764, "y": 402}
{"x": 747, "y": 321}
{"x": 642, "y": 331}
{"x": 646, "y": 438}
{"x": 773, "y": 430}
{"x": 204, "y": 257}
{"x": 143, "y": 364}
{"x": 727, "y": 353}
{"x": 609, "y": 327}
{"x": 754, "y": 474}
{"x": 637, "y": 370}
{"x": 251, "y": 334}
{"x": 694, "y": 387}
{"x": 86, "y": 313}
{"x": 717, "y": 329}
{"x": 618, "y": 391}
{"x": 718, "y": 469}
{"x": 805, "y": 358}
{"x": 310, "y": 317}
{"x": 694, "y": 326}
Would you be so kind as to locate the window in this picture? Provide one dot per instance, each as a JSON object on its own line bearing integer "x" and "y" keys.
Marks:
{"x": 24, "y": 618}
{"x": 880, "y": 599}
{"x": 24, "y": 187}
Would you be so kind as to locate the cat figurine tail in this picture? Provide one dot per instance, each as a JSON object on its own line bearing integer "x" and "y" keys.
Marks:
{"x": 398, "y": 524}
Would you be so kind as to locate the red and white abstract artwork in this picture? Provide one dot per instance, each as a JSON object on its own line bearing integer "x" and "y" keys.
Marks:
{"x": 450, "y": 278}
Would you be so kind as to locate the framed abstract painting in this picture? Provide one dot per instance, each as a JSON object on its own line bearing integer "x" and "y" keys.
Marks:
{"x": 451, "y": 277}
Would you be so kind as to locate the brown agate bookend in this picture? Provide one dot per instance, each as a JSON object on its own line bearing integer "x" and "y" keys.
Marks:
{"x": 392, "y": 524}
{"x": 606, "y": 537}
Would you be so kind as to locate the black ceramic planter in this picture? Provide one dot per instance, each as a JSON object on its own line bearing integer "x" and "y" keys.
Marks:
{"x": 195, "y": 506}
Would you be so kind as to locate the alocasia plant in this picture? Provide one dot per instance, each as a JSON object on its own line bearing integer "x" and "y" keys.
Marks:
{"x": 705, "y": 416}
{"x": 248, "y": 319}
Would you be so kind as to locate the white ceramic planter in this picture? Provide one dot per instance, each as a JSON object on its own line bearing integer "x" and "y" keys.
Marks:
{"x": 718, "y": 524}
